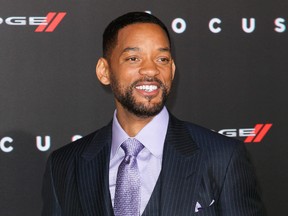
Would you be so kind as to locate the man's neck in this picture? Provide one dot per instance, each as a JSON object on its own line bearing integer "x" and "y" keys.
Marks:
{"x": 131, "y": 123}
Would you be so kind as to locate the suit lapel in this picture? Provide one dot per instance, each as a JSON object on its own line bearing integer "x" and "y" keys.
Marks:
{"x": 93, "y": 175}
{"x": 180, "y": 175}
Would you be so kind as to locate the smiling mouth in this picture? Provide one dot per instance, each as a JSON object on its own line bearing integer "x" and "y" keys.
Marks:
{"x": 147, "y": 88}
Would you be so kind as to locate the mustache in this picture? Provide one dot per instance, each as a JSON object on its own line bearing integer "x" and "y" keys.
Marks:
{"x": 148, "y": 79}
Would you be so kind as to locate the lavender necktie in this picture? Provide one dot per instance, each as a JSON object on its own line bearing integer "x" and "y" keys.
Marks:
{"x": 127, "y": 194}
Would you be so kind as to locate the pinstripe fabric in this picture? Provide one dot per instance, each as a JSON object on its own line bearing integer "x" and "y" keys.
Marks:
{"x": 153, "y": 206}
{"x": 202, "y": 166}
{"x": 199, "y": 166}
{"x": 76, "y": 178}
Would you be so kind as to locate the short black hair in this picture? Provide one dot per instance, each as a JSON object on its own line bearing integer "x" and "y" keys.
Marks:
{"x": 110, "y": 34}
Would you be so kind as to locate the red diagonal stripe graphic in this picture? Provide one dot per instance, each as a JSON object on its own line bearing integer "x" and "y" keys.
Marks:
{"x": 257, "y": 128}
{"x": 55, "y": 22}
{"x": 49, "y": 17}
{"x": 262, "y": 133}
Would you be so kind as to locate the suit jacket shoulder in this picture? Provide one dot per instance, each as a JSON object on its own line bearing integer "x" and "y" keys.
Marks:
{"x": 68, "y": 173}
{"x": 213, "y": 143}
{"x": 224, "y": 177}
{"x": 82, "y": 146}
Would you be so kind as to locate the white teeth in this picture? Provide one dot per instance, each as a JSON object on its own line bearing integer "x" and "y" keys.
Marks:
{"x": 147, "y": 88}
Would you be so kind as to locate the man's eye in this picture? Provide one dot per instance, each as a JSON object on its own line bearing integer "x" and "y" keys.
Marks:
{"x": 132, "y": 59}
{"x": 164, "y": 60}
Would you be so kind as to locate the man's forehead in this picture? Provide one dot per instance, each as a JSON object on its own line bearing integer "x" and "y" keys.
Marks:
{"x": 143, "y": 32}
{"x": 135, "y": 28}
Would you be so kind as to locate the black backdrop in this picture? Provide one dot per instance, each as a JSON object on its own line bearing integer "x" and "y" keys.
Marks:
{"x": 230, "y": 81}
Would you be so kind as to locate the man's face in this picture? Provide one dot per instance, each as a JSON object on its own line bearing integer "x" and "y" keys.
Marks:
{"x": 141, "y": 69}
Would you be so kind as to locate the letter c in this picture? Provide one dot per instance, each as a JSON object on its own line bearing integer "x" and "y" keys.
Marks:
{"x": 212, "y": 27}
{"x": 4, "y": 148}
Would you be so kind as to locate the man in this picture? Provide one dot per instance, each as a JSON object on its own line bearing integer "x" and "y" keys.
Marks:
{"x": 178, "y": 169}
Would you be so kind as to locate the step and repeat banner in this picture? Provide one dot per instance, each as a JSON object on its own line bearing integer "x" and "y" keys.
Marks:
{"x": 231, "y": 77}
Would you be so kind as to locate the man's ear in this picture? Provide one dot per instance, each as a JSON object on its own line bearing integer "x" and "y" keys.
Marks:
{"x": 102, "y": 71}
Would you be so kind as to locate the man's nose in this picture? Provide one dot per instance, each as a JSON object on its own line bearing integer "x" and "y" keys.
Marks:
{"x": 149, "y": 68}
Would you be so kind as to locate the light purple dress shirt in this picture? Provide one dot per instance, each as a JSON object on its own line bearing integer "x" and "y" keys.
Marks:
{"x": 149, "y": 160}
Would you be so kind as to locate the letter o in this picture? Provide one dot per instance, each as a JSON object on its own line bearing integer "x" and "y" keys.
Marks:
{"x": 178, "y": 25}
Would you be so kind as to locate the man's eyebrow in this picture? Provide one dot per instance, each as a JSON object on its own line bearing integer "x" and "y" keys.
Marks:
{"x": 127, "y": 49}
{"x": 161, "y": 49}
{"x": 164, "y": 49}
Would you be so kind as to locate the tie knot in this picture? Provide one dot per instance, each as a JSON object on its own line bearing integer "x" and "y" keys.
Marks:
{"x": 132, "y": 147}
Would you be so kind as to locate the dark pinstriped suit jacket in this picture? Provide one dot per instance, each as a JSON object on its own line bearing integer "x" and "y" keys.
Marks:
{"x": 199, "y": 166}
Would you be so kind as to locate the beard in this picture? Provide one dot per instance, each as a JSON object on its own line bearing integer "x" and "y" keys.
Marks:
{"x": 125, "y": 97}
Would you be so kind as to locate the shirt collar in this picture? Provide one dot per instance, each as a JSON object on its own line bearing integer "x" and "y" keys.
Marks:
{"x": 152, "y": 136}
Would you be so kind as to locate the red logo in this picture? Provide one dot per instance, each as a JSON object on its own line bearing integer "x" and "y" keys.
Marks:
{"x": 251, "y": 135}
{"x": 260, "y": 130}
{"x": 51, "y": 22}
